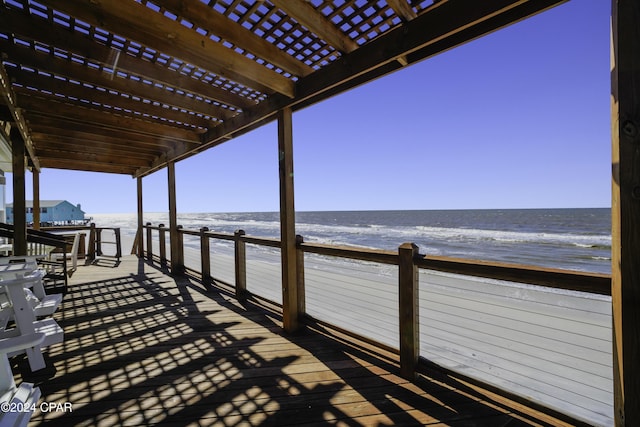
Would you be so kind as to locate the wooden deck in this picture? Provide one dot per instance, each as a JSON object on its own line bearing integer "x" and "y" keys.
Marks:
{"x": 143, "y": 348}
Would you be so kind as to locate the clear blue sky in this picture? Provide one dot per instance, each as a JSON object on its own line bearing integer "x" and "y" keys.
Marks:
{"x": 517, "y": 119}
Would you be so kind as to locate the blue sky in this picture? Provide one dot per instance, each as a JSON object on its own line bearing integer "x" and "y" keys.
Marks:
{"x": 517, "y": 119}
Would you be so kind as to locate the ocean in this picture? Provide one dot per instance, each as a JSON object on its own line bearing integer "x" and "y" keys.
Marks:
{"x": 571, "y": 239}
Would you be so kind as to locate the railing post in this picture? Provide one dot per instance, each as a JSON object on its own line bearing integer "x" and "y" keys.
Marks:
{"x": 116, "y": 232}
{"x": 241, "y": 265}
{"x": 149, "y": 242}
{"x": 408, "y": 310}
{"x": 163, "y": 245}
{"x": 92, "y": 242}
{"x": 179, "y": 266}
{"x": 98, "y": 241}
{"x": 137, "y": 244}
{"x": 205, "y": 257}
{"x": 302, "y": 305}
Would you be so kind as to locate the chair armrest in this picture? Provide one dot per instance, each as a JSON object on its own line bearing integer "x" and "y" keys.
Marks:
{"x": 8, "y": 345}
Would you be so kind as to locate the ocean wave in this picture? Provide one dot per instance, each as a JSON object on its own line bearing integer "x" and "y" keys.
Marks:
{"x": 581, "y": 240}
{"x": 366, "y": 234}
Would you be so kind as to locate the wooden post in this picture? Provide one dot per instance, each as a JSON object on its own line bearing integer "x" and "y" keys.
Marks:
{"x": 180, "y": 248}
{"x": 162, "y": 242}
{"x": 625, "y": 209}
{"x": 408, "y": 309}
{"x": 92, "y": 242}
{"x": 139, "y": 240}
{"x": 241, "y": 265}
{"x": 116, "y": 232}
{"x": 36, "y": 198}
{"x": 19, "y": 196}
{"x": 149, "y": 242}
{"x": 302, "y": 303}
{"x": 205, "y": 258}
{"x": 98, "y": 241}
{"x": 177, "y": 266}
{"x": 290, "y": 308}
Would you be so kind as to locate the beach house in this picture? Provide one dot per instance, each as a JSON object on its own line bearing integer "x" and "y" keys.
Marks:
{"x": 52, "y": 212}
{"x": 134, "y": 87}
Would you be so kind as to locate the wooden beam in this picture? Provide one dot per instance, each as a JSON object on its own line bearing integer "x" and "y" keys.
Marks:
{"x": 77, "y": 94}
{"x": 18, "y": 153}
{"x": 56, "y": 153}
{"x": 307, "y": 15}
{"x": 89, "y": 147}
{"x": 216, "y": 23}
{"x": 70, "y": 127}
{"x": 290, "y": 309}
{"x": 134, "y": 87}
{"x": 403, "y": 9}
{"x": 141, "y": 24}
{"x": 22, "y": 26}
{"x": 8, "y": 97}
{"x": 35, "y": 106}
{"x": 625, "y": 204}
{"x": 88, "y": 166}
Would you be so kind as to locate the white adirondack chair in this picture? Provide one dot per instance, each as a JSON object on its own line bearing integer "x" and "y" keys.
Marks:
{"x": 16, "y": 267}
{"x": 72, "y": 256}
{"x": 22, "y": 399}
{"x": 22, "y": 311}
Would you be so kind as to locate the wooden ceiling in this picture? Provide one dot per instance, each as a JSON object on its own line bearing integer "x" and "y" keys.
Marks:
{"x": 124, "y": 86}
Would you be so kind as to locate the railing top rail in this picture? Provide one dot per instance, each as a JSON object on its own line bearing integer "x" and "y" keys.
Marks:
{"x": 264, "y": 241}
{"x": 152, "y": 227}
{"x": 554, "y": 278}
{"x": 66, "y": 228}
{"x": 362, "y": 254}
{"x": 221, "y": 236}
{"x": 35, "y": 236}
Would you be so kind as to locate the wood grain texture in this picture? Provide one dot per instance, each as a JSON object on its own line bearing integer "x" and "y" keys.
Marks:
{"x": 625, "y": 120}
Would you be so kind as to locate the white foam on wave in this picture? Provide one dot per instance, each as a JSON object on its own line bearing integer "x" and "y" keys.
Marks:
{"x": 582, "y": 240}
{"x": 361, "y": 235}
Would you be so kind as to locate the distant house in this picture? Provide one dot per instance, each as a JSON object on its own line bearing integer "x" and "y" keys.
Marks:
{"x": 51, "y": 212}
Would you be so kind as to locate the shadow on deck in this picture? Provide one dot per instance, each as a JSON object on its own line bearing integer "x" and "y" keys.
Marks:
{"x": 144, "y": 348}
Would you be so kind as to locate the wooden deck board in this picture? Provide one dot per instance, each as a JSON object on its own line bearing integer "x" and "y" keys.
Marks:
{"x": 143, "y": 348}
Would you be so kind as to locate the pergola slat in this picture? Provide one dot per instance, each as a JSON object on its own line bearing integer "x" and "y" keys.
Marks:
{"x": 125, "y": 105}
{"x": 65, "y": 127}
{"x": 202, "y": 15}
{"x": 37, "y": 106}
{"x": 307, "y": 15}
{"x": 78, "y": 44}
{"x": 173, "y": 38}
{"x": 147, "y": 90}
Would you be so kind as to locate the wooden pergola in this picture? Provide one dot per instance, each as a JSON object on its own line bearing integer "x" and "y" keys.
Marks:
{"x": 131, "y": 87}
